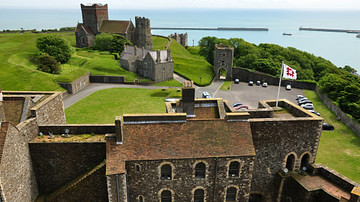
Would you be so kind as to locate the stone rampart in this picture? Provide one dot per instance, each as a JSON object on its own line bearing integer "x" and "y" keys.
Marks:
{"x": 56, "y": 164}
{"x": 17, "y": 177}
{"x": 77, "y": 128}
{"x": 349, "y": 122}
{"x": 245, "y": 75}
{"x": 77, "y": 85}
{"x": 50, "y": 111}
{"x": 106, "y": 79}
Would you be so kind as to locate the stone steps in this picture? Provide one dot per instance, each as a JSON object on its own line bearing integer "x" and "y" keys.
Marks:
{"x": 73, "y": 183}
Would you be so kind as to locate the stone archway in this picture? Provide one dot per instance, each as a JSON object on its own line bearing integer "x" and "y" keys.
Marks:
{"x": 223, "y": 62}
{"x": 222, "y": 74}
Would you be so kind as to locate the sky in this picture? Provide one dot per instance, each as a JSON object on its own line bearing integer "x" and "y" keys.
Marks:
{"x": 152, "y": 4}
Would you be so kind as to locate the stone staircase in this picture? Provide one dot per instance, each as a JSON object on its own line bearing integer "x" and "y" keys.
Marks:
{"x": 72, "y": 183}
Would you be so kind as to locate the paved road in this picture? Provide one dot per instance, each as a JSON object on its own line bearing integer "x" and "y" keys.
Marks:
{"x": 250, "y": 95}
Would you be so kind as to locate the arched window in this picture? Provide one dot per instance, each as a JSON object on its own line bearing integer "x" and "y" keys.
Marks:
{"x": 290, "y": 162}
{"x": 199, "y": 195}
{"x": 137, "y": 168}
{"x": 234, "y": 169}
{"x": 141, "y": 199}
{"x": 305, "y": 161}
{"x": 166, "y": 172}
{"x": 231, "y": 194}
{"x": 200, "y": 170}
{"x": 166, "y": 196}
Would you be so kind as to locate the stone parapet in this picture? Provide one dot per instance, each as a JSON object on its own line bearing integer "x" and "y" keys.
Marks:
{"x": 77, "y": 85}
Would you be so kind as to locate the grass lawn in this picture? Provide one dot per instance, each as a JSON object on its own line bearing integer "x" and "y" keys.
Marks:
{"x": 226, "y": 85}
{"x": 191, "y": 66}
{"x": 339, "y": 149}
{"x": 159, "y": 43}
{"x": 104, "y": 105}
{"x": 172, "y": 82}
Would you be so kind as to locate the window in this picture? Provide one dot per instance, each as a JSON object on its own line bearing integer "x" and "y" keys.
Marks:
{"x": 166, "y": 172}
{"x": 200, "y": 170}
{"x": 231, "y": 194}
{"x": 141, "y": 199}
{"x": 234, "y": 169}
{"x": 290, "y": 162}
{"x": 137, "y": 168}
{"x": 199, "y": 195}
{"x": 166, "y": 196}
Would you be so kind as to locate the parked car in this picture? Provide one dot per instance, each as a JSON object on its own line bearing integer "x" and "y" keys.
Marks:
{"x": 206, "y": 95}
{"x": 169, "y": 99}
{"x": 251, "y": 83}
{"x": 304, "y": 102}
{"x": 241, "y": 107}
{"x": 314, "y": 112}
{"x": 299, "y": 97}
{"x": 288, "y": 87}
{"x": 237, "y": 104}
{"x": 302, "y": 99}
{"x": 327, "y": 126}
{"x": 264, "y": 84}
{"x": 236, "y": 81}
{"x": 258, "y": 83}
{"x": 307, "y": 106}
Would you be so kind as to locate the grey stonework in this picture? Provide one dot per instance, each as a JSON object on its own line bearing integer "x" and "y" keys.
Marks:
{"x": 143, "y": 33}
{"x": 223, "y": 60}
{"x": 180, "y": 38}
{"x": 77, "y": 85}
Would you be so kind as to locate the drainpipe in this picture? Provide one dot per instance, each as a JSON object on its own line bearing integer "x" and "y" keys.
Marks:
{"x": 215, "y": 175}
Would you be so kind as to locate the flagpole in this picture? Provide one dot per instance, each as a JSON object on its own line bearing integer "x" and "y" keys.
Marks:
{"x": 277, "y": 99}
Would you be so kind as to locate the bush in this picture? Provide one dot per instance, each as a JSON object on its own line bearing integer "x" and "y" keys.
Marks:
{"x": 113, "y": 43}
{"x": 55, "y": 46}
{"x": 48, "y": 63}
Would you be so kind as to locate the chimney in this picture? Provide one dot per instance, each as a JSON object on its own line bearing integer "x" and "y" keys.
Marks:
{"x": 135, "y": 50}
{"x": 168, "y": 55}
{"x": 143, "y": 51}
{"x": 188, "y": 98}
{"x": 118, "y": 129}
{"x": 158, "y": 56}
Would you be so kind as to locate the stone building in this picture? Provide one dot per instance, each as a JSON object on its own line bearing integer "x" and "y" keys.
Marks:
{"x": 155, "y": 65}
{"x": 223, "y": 62}
{"x": 96, "y": 21}
{"x": 180, "y": 38}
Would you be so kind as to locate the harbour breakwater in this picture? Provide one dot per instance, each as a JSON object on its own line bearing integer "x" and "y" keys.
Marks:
{"x": 329, "y": 30}
{"x": 214, "y": 29}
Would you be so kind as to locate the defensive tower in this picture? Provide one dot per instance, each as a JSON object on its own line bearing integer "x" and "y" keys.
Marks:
{"x": 223, "y": 61}
{"x": 93, "y": 15}
{"x": 143, "y": 33}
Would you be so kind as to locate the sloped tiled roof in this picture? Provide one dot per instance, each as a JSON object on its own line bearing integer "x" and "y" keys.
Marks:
{"x": 85, "y": 28}
{"x": 115, "y": 26}
{"x": 190, "y": 139}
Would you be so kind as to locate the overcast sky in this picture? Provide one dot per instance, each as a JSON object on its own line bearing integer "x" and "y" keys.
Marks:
{"x": 144, "y": 4}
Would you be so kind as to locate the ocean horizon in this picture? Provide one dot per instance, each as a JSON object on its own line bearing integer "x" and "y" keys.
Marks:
{"x": 340, "y": 48}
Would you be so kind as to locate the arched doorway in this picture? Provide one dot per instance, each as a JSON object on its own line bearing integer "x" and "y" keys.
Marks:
{"x": 222, "y": 74}
{"x": 305, "y": 161}
{"x": 290, "y": 161}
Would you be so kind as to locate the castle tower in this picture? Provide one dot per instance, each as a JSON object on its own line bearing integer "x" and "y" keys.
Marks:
{"x": 223, "y": 62}
{"x": 143, "y": 33}
{"x": 93, "y": 15}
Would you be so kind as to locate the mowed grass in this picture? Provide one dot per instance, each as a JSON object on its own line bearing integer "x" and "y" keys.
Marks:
{"x": 191, "y": 66}
{"x": 339, "y": 149}
{"x": 160, "y": 43}
{"x": 103, "y": 106}
{"x": 226, "y": 85}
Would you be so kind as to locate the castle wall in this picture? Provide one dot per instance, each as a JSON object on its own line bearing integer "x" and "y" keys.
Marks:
{"x": 223, "y": 59}
{"x": 147, "y": 182}
{"x": 274, "y": 140}
{"x": 163, "y": 71}
{"x": 77, "y": 85}
{"x": 56, "y": 164}
{"x": 17, "y": 177}
{"x": 143, "y": 33}
{"x": 50, "y": 111}
{"x": 93, "y": 16}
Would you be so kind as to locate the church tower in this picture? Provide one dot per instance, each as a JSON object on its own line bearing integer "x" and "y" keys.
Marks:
{"x": 93, "y": 15}
{"x": 143, "y": 33}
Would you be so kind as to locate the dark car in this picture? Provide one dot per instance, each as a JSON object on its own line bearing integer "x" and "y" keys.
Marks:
{"x": 236, "y": 81}
{"x": 258, "y": 83}
{"x": 251, "y": 83}
{"x": 327, "y": 126}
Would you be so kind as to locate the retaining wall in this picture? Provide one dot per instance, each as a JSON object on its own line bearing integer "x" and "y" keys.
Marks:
{"x": 77, "y": 85}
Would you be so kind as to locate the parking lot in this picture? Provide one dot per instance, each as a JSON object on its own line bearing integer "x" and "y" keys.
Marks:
{"x": 250, "y": 95}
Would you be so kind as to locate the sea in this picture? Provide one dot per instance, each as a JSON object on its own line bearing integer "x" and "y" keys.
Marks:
{"x": 340, "y": 48}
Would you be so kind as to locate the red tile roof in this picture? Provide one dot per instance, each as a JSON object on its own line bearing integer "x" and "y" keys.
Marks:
{"x": 191, "y": 139}
{"x": 115, "y": 26}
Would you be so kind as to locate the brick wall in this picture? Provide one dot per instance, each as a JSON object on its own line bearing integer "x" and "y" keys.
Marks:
{"x": 17, "y": 177}
{"x": 275, "y": 139}
{"x": 147, "y": 182}
{"x": 58, "y": 163}
{"x": 77, "y": 85}
{"x": 50, "y": 111}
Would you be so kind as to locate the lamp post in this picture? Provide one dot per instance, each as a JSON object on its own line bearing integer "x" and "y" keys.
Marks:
{"x": 200, "y": 80}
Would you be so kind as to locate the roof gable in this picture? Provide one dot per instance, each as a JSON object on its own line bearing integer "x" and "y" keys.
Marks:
{"x": 115, "y": 26}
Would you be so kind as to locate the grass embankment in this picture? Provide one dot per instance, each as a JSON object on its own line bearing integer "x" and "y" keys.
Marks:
{"x": 190, "y": 65}
{"x": 160, "y": 43}
{"x": 103, "y": 106}
{"x": 339, "y": 149}
{"x": 226, "y": 85}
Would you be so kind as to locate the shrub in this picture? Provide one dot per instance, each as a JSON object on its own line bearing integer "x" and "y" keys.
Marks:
{"x": 48, "y": 63}
{"x": 55, "y": 46}
{"x": 113, "y": 43}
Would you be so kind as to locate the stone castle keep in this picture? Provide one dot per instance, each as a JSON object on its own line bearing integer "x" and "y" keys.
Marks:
{"x": 200, "y": 150}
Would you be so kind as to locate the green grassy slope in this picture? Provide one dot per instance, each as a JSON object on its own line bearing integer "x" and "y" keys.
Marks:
{"x": 338, "y": 149}
{"x": 160, "y": 43}
{"x": 190, "y": 65}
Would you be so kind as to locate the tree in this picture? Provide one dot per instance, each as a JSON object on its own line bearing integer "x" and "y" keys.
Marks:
{"x": 207, "y": 48}
{"x": 48, "y": 63}
{"x": 55, "y": 46}
{"x": 113, "y": 43}
{"x": 102, "y": 41}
